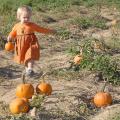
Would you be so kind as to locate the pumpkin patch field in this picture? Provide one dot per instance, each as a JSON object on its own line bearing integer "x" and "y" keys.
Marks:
{"x": 78, "y": 74}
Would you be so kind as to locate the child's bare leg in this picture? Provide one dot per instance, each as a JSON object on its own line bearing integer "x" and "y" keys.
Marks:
{"x": 29, "y": 67}
{"x": 30, "y": 64}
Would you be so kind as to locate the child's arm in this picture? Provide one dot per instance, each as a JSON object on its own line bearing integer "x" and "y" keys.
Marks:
{"x": 9, "y": 38}
{"x": 40, "y": 29}
{"x": 12, "y": 34}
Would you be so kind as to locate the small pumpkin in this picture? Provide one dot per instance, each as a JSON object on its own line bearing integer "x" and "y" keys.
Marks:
{"x": 9, "y": 46}
{"x": 18, "y": 105}
{"x": 78, "y": 59}
{"x": 102, "y": 98}
{"x": 43, "y": 87}
{"x": 24, "y": 90}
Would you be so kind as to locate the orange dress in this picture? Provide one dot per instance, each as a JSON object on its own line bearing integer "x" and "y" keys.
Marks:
{"x": 26, "y": 43}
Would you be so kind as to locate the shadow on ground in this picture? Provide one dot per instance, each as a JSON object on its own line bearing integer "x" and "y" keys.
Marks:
{"x": 10, "y": 72}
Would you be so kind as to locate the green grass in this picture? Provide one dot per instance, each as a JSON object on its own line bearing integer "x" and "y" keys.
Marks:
{"x": 87, "y": 22}
{"x": 83, "y": 22}
{"x": 8, "y": 6}
{"x": 63, "y": 33}
{"x": 98, "y": 3}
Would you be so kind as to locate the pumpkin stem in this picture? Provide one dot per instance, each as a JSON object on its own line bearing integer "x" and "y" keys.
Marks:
{"x": 103, "y": 88}
{"x": 23, "y": 78}
{"x": 81, "y": 50}
{"x": 43, "y": 77}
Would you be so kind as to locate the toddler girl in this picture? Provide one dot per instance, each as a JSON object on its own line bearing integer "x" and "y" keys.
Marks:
{"x": 27, "y": 48}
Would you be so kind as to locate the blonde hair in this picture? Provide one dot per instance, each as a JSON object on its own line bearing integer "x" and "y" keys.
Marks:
{"x": 23, "y": 9}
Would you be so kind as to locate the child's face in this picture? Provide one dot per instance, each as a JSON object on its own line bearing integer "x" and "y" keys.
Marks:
{"x": 25, "y": 17}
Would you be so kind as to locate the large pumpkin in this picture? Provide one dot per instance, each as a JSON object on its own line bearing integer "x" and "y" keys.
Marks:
{"x": 9, "y": 46}
{"x": 44, "y": 88}
{"x": 24, "y": 90}
{"x": 102, "y": 99}
{"x": 19, "y": 105}
{"x": 78, "y": 59}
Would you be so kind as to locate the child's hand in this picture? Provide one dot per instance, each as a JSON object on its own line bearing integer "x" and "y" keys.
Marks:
{"x": 9, "y": 38}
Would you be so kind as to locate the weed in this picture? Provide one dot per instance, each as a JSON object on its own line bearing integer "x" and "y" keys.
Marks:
{"x": 37, "y": 101}
{"x": 101, "y": 62}
{"x": 63, "y": 33}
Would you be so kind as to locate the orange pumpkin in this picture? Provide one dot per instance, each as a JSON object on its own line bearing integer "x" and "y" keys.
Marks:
{"x": 102, "y": 99}
{"x": 24, "y": 90}
{"x": 18, "y": 105}
{"x": 44, "y": 88}
{"x": 78, "y": 59}
{"x": 9, "y": 46}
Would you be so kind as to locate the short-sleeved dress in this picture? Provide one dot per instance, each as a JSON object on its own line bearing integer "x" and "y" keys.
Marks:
{"x": 26, "y": 43}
